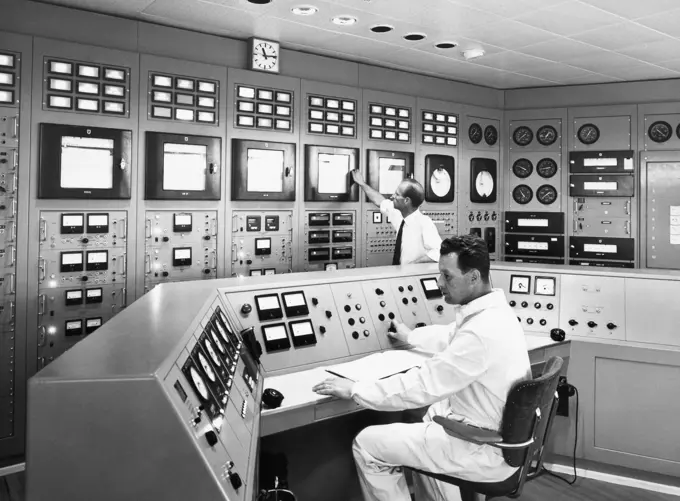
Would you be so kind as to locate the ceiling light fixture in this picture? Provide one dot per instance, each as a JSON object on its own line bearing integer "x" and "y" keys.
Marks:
{"x": 445, "y": 45}
{"x": 304, "y": 10}
{"x": 344, "y": 20}
{"x": 414, "y": 37}
{"x": 473, "y": 53}
{"x": 260, "y": 2}
{"x": 382, "y": 28}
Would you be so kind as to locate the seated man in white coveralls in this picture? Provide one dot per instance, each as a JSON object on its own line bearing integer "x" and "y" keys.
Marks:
{"x": 475, "y": 362}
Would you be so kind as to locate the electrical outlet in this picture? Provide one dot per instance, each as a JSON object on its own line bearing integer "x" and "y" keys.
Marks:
{"x": 563, "y": 394}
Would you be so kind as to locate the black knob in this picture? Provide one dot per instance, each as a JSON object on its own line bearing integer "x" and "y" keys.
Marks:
{"x": 391, "y": 328}
{"x": 197, "y": 419}
{"x": 235, "y": 480}
{"x": 479, "y": 216}
{"x": 165, "y": 273}
{"x": 358, "y": 307}
{"x": 401, "y": 289}
{"x": 471, "y": 217}
{"x": 572, "y": 322}
{"x": 611, "y": 326}
{"x": 537, "y": 305}
{"x": 246, "y": 308}
{"x": 530, "y": 321}
{"x": 414, "y": 299}
{"x": 439, "y": 308}
{"x": 362, "y": 320}
{"x": 84, "y": 240}
{"x": 3, "y": 207}
{"x": 211, "y": 437}
{"x": 592, "y": 324}
{"x": 381, "y": 317}
{"x": 513, "y": 303}
{"x": 410, "y": 288}
{"x": 383, "y": 303}
{"x": 390, "y": 315}
{"x": 348, "y": 308}
{"x": 557, "y": 334}
{"x": 405, "y": 300}
{"x": 206, "y": 237}
{"x": 166, "y": 239}
{"x": 519, "y": 319}
{"x": 351, "y": 321}
{"x": 524, "y": 304}
{"x": 355, "y": 335}
{"x": 366, "y": 333}
{"x": 315, "y": 301}
{"x": 207, "y": 271}
{"x": 543, "y": 321}
{"x": 322, "y": 329}
{"x": 379, "y": 292}
{"x": 549, "y": 306}
{"x": 249, "y": 261}
{"x": 328, "y": 314}
{"x": 84, "y": 279}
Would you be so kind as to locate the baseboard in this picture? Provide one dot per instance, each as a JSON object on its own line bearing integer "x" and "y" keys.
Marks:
{"x": 614, "y": 479}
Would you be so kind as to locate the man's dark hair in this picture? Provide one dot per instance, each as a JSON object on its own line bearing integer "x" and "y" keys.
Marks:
{"x": 473, "y": 254}
{"x": 414, "y": 190}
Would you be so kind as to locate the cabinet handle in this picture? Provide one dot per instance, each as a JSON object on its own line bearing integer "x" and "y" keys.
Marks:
{"x": 124, "y": 223}
{"x": 13, "y": 254}
{"x": 43, "y": 230}
{"x": 15, "y": 128}
{"x": 42, "y": 338}
{"x": 42, "y": 266}
{"x": 147, "y": 228}
{"x": 147, "y": 264}
{"x": 12, "y": 283}
{"x": 42, "y": 303}
{"x": 124, "y": 272}
{"x": 15, "y": 159}
{"x": 12, "y": 311}
{"x": 124, "y": 297}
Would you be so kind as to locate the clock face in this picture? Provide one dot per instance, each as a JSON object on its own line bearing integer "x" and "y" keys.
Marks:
{"x": 265, "y": 56}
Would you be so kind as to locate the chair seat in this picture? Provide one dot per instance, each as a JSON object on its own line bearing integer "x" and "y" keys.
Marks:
{"x": 492, "y": 489}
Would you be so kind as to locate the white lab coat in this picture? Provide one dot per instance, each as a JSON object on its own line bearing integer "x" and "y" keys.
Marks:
{"x": 420, "y": 237}
{"x": 476, "y": 360}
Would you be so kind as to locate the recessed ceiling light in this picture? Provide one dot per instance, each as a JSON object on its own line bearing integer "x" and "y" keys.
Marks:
{"x": 414, "y": 37}
{"x": 473, "y": 53}
{"x": 445, "y": 45}
{"x": 382, "y": 28}
{"x": 344, "y": 20}
{"x": 304, "y": 10}
{"x": 260, "y": 2}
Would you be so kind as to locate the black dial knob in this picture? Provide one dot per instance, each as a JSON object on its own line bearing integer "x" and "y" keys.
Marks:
{"x": 405, "y": 300}
{"x": 207, "y": 271}
{"x": 592, "y": 324}
{"x": 549, "y": 306}
{"x": 611, "y": 326}
{"x": 357, "y": 306}
{"x": 366, "y": 333}
{"x": 351, "y": 321}
{"x": 390, "y": 315}
{"x": 414, "y": 299}
{"x": 246, "y": 308}
{"x": 211, "y": 438}
{"x": 3, "y": 207}
{"x": 513, "y": 303}
{"x": 348, "y": 308}
{"x": 165, "y": 273}
{"x": 197, "y": 419}
{"x": 206, "y": 237}
{"x": 84, "y": 279}
{"x": 557, "y": 334}
{"x": 249, "y": 261}
{"x": 362, "y": 320}
{"x": 235, "y": 480}
{"x": 573, "y": 322}
{"x": 166, "y": 239}
{"x": 381, "y": 317}
{"x": 315, "y": 301}
{"x": 439, "y": 308}
{"x": 524, "y": 304}
{"x": 537, "y": 305}
{"x": 322, "y": 329}
{"x": 543, "y": 321}
{"x": 410, "y": 288}
{"x": 379, "y": 292}
{"x": 383, "y": 303}
{"x": 401, "y": 289}
{"x": 530, "y": 321}
{"x": 85, "y": 240}
{"x": 355, "y": 335}
{"x": 329, "y": 314}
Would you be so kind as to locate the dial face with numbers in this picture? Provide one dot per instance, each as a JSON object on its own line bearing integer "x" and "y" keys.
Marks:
{"x": 206, "y": 367}
{"x": 660, "y": 131}
{"x": 475, "y": 133}
{"x": 522, "y": 168}
{"x": 588, "y": 133}
{"x": 198, "y": 383}
{"x": 546, "y": 194}
{"x": 523, "y": 136}
{"x": 490, "y": 135}
{"x": 546, "y": 135}
{"x": 265, "y": 56}
{"x": 546, "y": 168}
{"x": 522, "y": 194}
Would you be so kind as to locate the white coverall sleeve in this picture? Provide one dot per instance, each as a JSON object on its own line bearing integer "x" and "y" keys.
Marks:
{"x": 436, "y": 379}
{"x": 432, "y": 242}
{"x": 431, "y": 338}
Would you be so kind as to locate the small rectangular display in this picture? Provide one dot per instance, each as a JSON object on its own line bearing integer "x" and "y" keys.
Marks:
{"x": 430, "y": 288}
{"x": 97, "y": 260}
{"x": 245, "y": 121}
{"x": 343, "y": 236}
{"x": 255, "y": 273}
{"x": 332, "y": 103}
{"x": 267, "y": 109}
{"x": 295, "y": 304}
{"x": 283, "y": 97}
{"x": 600, "y": 162}
{"x": 377, "y": 218}
{"x": 72, "y": 223}
{"x": 600, "y": 186}
{"x": 392, "y": 112}
{"x": 265, "y": 95}
{"x": 183, "y": 114}
{"x": 342, "y": 253}
{"x": 71, "y": 261}
{"x": 184, "y": 83}
{"x": 275, "y": 337}
{"x": 348, "y": 105}
{"x": 520, "y": 284}
{"x": 264, "y": 171}
{"x": 181, "y": 256}
{"x": 271, "y": 223}
{"x": 264, "y": 122}
{"x": 114, "y": 90}
{"x": 268, "y": 307}
{"x": 61, "y": 68}
{"x": 246, "y": 92}
{"x": 113, "y": 74}
{"x": 319, "y": 237}
{"x": 74, "y": 297}
{"x": 319, "y": 219}
{"x": 316, "y": 101}
{"x": 322, "y": 254}
{"x": 92, "y": 324}
{"x": 246, "y": 106}
{"x": 88, "y": 88}
{"x": 184, "y": 167}
{"x": 180, "y": 391}
{"x": 263, "y": 246}
{"x": 73, "y": 327}
{"x": 60, "y": 84}
{"x": 302, "y": 332}
{"x": 253, "y": 223}
{"x": 181, "y": 223}
{"x": 332, "y": 116}
{"x": 94, "y": 295}
{"x": 535, "y": 223}
{"x": 270, "y": 271}
{"x": 283, "y": 111}
{"x": 544, "y": 286}
{"x": 97, "y": 223}
{"x": 391, "y": 174}
{"x": 6, "y": 61}
{"x": 184, "y": 99}
{"x": 532, "y": 245}
{"x": 86, "y": 162}
{"x": 208, "y": 87}
{"x": 333, "y": 173}
{"x": 343, "y": 219}
{"x": 600, "y": 248}
{"x": 404, "y": 113}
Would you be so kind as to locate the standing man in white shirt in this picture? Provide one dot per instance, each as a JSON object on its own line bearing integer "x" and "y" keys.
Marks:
{"x": 418, "y": 240}
{"x": 476, "y": 360}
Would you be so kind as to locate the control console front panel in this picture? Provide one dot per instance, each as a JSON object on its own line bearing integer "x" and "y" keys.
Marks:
{"x": 261, "y": 242}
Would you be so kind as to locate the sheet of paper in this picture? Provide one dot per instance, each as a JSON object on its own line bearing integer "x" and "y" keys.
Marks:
{"x": 379, "y": 365}
{"x": 333, "y": 172}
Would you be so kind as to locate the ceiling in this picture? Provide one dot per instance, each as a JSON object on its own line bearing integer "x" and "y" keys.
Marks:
{"x": 527, "y": 43}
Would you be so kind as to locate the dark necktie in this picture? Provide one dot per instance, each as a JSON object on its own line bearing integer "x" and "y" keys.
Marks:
{"x": 397, "y": 247}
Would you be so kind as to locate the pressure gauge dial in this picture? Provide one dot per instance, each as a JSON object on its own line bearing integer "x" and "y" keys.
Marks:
{"x": 490, "y": 135}
{"x": 546, "y": 194}
{"x": 522, "y": 194}
{"x": 475, "y": 133}
{"x": 484, "y": 184}
{"x": 588, "y": 133}
{"x": 440, "y": 182}
{"x": 546, "y": 168}
{"x": 522, "y": 168}
{"x": 660, "y": 131}
{"x": 206, "y": 367}
{"x": 208, "y": 347}
{"x": 199, "y": 384}
{"x": 546, "y": 135}
{"x": 523, "y": 135}
{"x": 218, "y": 343}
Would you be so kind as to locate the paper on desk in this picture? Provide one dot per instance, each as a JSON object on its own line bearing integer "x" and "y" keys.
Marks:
{"x": 378, "y": 365}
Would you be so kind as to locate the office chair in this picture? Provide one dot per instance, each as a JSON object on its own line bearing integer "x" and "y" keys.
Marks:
{"x": 526, "y": 423}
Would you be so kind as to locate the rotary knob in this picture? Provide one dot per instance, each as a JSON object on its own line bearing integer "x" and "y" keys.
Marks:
{"x": 379, "y": 292}
{"x": 401, "y": 289}
{"x": 246, "y": 308}
{"x": 572, "y": 322}
{"x": 592, "y": 324}
{"x": 383, "y": 304}
{"x": 211, "y": 438}
{"x": 439, "y": 308}
{"x": 405, "y": 300}
{"x": 537, "y": 305}
{"x": 543, "y": 321}
{"x": 513, "y": 303}
{"x": 348, "y": 308}
{"x": 206, "y": 237}
{"x": 414, "y": 299}
{"x": 410, "y": 288}
{"x": 390, "y": 315}
{"x": 328, "y": 314}
{"x": 611, "y": 326}
{"x": 355, "y": 335}
{"x": 366, "y": 333}
{"x": 549, "y": 306}
{"x": 84, "y": 240}
{"x": 381, "y": 317}
{"x": 530, "y": 321}
{"x": 322, "y": 329}
{"x": 315, "y": 301}
{"x": 235, "y": 480}
{"x": 524, "y": 304}
{"x": 166, "y": 239}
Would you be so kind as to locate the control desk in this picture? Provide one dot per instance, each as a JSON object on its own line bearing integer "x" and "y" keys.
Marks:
{"x": 173, "y": 383}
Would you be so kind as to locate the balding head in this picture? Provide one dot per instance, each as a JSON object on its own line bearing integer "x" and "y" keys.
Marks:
{"x": 412, "y": 189}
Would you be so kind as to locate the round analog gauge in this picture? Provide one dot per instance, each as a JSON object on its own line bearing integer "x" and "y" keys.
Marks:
{"x": 484, "y": 183}
{"x": 546, "y": 168}
{"x": 440, "y": 182}
{"x": 546, "y": 194}
{"x": 522, "y": 194}
{"x": 522, "y": 168}
{"x": 212, "y": 353}
{"x": 660, "y": 131}
{"x": 206, "y": 367}
{"x": 222, "y": 333}
{"x": 522, "y": 135}
{"x": 677, "y": 131}
{"x": 198, "y": 383}
{"x": 490, "y": 135}
{"x": 588, "y": 133}
{"x": 217, "y": 341}
{"x": 546, "y": 135}
{"x": 475, "y": 133}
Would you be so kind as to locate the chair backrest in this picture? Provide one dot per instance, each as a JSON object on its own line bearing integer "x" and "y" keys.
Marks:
{"x": 519, "y": 414}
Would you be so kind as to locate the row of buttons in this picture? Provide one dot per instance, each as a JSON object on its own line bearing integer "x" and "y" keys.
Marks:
{"x": 486, "y": 216}
{"x": 592, "y": 324}
{"x": 530, "y": 321}
{"x": 537, "y": 305}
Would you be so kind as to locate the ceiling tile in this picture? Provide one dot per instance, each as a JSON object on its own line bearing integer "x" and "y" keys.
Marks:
{"x": 632, "y": 9}
{"x": 642, "y": 71}
{"x": 510, "y": 34}
{"x": 515, "y": 81}
{"x": 654, "y": 52}
{"x": 420, "y": 12}
{"x": 510, "y": 61}
{"x": 619, "y": 36}
{"x": 603, "y": 61}
{"x": 569, "y": 18}
{"x": 671, "y": 65}
{"x": 213, "y": 18}
{"x": 508, "y": 9}
{"x": 120, "y": 7}
{"x": 666, "y": 22}
{"x": 593, "y": 78}
{"x": 555, "y": 71}
{"x": 349, "y": 44}
{"x": 558, "y": 49}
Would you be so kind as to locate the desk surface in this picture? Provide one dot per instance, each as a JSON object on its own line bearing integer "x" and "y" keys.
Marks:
{"x": 296, "y": 387}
